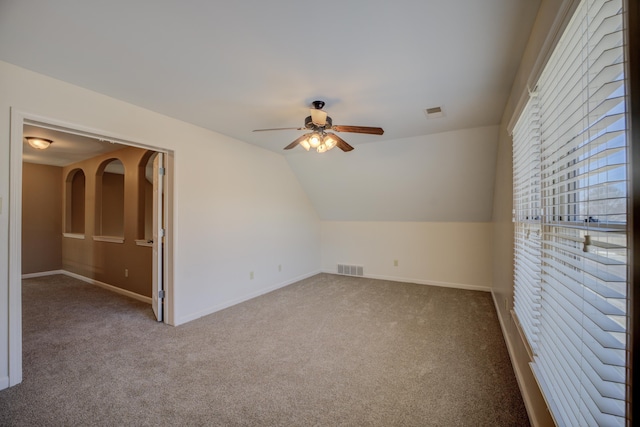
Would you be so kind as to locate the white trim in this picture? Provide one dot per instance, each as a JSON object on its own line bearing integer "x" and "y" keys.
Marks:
{"x": 108, "y": 287}
{"x": 15, "y": 248}
{"x": 73, "y": 236}
{"x": 465, "y": 286}
{"x": 4, "y": 383}
{"x": 516, "y": 369}
{"x": 75, "y": 129}
{"x": 244, "y": 298}
{"x": 42, "y": 274}
{"x": 108, "y": 239}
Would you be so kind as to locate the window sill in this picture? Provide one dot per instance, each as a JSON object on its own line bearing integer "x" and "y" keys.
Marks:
{"x": 73, "y": 236}
{"x": 523, "y": 337}
{"x": 108, "y": 239}
{"x": 142, "y": 242}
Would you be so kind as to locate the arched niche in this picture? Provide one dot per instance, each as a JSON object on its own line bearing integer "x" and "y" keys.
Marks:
{"x": 145, "y": 198}
{"x": 74, "y": 213}
{"x": 110, "y": 199}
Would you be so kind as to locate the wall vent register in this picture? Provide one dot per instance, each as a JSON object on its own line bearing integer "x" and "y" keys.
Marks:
{"x": 351, "y": 270}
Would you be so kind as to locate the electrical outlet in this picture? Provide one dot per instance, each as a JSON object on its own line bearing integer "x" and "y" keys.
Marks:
{"x": 395, "y": 262}
{"x": 251, "y": 275}
{"x": 126, "y": 272}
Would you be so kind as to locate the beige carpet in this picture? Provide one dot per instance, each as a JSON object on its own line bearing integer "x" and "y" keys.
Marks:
{"x": 327, "y": 351}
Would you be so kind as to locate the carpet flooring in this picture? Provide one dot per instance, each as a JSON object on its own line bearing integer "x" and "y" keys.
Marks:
{"x": 326, "y": 351}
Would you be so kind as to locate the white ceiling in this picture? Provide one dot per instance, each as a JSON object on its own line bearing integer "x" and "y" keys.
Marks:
{"x": 237, "y": 66}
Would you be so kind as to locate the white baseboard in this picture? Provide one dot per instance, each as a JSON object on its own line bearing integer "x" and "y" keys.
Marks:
{"x": 244, "y": 298}
{"x": 92, "y": 282}
{"x": 425, "y": 282}
{"x": 4, "y": 383}
{"x": 42, "y": 274}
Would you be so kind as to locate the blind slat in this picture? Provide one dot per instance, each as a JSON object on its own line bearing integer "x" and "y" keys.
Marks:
{"x": 570, "y": 180}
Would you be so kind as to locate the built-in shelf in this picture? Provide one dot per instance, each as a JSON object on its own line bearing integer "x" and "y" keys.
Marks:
{"x": 108, "y": 239}
{"x": 73, "y": 236}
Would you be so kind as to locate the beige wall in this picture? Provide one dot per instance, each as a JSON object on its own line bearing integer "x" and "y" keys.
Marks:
{"x": 113, "y": 204}
{"x": 548, "y": 24}
{"x": 453, "y": 254}
{"x": 75, "y": 194}
{"x": 41, "y": 218}
{"x": 113, "y": 210}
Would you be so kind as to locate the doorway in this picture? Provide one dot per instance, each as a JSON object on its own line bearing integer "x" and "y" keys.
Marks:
{"x": 115, "y": 233}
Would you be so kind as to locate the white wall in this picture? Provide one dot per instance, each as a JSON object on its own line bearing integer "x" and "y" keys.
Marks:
{"x": 237, "y": 208}
{"x": 445, "y": 177}
{"x": 454, "y": 254}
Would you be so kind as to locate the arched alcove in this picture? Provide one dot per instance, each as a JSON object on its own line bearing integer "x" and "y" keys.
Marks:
{"x": 74, "y": 213}
{"x": 145, "y": 200}
{"x": 110, "y": 199}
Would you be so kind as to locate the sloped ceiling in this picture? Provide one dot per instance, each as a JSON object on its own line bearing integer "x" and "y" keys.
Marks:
{"x": 237, "y": 66}
{"x": 442, "y": 177}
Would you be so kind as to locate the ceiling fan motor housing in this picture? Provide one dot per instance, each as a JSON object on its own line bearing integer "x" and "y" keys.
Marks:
{"x": 308, "y": 123}
{"x": 318, "y": 105}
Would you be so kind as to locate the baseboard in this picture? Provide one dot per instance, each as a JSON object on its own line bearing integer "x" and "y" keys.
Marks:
{"x": 42, "y": 274}
{"x": 425, "y": 282}
{"x": 516, "y": 369}
{"x": 247, "y": 297}
{"x": 109, "y": 287}
{"x": 103, "y": 285}
{"x": 4, "y": 383}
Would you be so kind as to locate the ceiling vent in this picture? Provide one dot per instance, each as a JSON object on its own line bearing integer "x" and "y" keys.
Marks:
{"x": 434, "y": 112}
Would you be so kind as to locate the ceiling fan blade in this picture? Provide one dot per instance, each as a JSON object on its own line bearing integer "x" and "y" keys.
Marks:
{"x": 264, "y": 130}
{"x": 296, "y": 142}
{"x": 358, "y": 129}
{"x": 341, "y": 143}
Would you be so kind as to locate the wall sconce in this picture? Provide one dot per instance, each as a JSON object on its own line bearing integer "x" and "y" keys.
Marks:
{"x": 39, "y": 143}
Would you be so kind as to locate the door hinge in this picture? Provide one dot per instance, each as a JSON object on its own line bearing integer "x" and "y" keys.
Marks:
{"x": 162, "y": 232}
{"x": 161, "y": 171}
{"x": 161, "y": 294}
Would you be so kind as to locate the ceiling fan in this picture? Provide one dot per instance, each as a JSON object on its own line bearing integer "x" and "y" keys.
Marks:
{"x": 319, "y": 123}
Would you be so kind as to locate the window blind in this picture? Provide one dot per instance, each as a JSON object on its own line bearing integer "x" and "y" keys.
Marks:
{"x": 527, "y": 215}
{"x": 578, "y": 325}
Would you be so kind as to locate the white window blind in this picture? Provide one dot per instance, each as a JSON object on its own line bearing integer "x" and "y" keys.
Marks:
{"x": 578, "y": 323}
{"x": 527, "y": 215}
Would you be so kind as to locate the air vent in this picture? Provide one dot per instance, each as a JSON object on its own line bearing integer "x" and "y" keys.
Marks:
{"x": 434, "y": 112}
{"x": 351, "y": 270}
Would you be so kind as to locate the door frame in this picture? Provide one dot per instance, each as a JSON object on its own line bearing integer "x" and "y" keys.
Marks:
{"x": 18, "y": 120}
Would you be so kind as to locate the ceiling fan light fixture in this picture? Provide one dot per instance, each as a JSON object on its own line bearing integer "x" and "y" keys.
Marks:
{"x": 329, "y": 142}
{"x": 315, "y": 140}
{"x": 305, "y": 144}
{"x": 39, "y": 143}
{"x": 317, "y": 124}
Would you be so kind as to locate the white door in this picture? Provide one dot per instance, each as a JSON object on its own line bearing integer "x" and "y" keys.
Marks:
{"x": 157, "y": 292}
